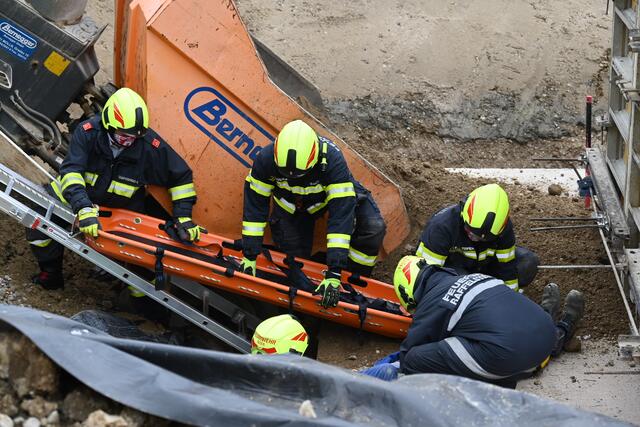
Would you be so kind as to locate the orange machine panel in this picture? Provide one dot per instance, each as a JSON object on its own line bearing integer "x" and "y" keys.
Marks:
{"x": 211, "y": 98}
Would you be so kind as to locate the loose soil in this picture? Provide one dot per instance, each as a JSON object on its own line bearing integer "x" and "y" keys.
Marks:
{"x": 520, "y": 77}
{"x": 416, "y": 87}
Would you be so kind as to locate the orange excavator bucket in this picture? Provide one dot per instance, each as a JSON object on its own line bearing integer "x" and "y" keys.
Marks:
{"x": 210, "y": 96}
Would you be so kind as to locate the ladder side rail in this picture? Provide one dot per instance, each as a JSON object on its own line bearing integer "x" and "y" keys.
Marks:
{"x": 35, "y": 193}
{"x": 32, "y": 219}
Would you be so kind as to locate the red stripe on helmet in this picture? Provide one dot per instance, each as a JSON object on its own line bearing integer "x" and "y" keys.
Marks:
{"x": 470, "y": 208}
{"x": 117, "y": 115}
{"x": 311, "y": 156}
{"x": 407, "y": 271}
{"x": 300, "y": 337}
{"x": 270, "y": 350}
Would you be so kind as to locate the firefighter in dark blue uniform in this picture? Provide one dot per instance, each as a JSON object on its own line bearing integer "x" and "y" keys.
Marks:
{"x": 306, "y": 176}
{"x": 111, "y": 159}
{"x": 473, "y": 326}
{"x": 476, "y": 236}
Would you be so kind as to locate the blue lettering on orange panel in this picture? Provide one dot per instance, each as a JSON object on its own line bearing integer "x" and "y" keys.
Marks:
{"x": 226, "y": 124}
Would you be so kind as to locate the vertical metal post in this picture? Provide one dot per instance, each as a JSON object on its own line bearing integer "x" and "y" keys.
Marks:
{"x": 587, "y": 143}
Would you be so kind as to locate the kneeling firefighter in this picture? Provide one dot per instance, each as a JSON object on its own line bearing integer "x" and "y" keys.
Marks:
{"x": 472, "y": 326}
{"x": 476, "y": 236}
{"x": 306, "y": 176}
{"x": 111, "y": 158}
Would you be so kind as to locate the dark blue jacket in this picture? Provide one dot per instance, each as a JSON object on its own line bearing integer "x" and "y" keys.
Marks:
{"x": 333, "y": 189}
{"x": 504, "y": 331}
{"x": 444, "y": 242}
{"x": 90, "y": 175}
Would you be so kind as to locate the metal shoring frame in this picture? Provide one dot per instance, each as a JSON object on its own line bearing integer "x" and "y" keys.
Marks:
{"x": 632, "y": 322}
{"x": 32, "y": 219}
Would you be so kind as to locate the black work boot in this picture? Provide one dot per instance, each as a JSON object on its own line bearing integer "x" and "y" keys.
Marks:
{"x": 50, "y": 276}
{"x": 551, "y": 300}
{"x": 50, "y": 280}
{"x": 571, "y": 313}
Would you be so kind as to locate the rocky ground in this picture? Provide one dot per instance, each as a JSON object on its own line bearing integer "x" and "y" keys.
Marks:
{"x": 34, "y": 392}
{"x": 417, "y": 87}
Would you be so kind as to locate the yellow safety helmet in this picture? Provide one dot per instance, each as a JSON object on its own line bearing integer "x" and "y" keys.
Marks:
{"x": 486, "y": 212}
{"x": 279, "y": 335}
{"x": 126, "y": 111}
{"x": 296, "y": 149}
{"x": 404, "y": 279}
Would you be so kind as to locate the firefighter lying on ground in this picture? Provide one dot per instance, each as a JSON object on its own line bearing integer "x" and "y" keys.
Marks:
{"x": 111, "y": 158}
{"x": 307, "y": 175}
{"x": 474, "y": 326}
{"x": 476, "y": 236}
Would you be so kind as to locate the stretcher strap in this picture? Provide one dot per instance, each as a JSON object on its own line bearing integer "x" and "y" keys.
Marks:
{"x": 362, "y": 302}
{"x": 159, "y": 269}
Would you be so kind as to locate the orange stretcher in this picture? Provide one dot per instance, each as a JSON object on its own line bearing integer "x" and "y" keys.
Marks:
{"x": 142, "y": 240}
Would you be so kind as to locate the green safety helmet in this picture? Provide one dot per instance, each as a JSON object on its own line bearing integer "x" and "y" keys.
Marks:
{"x": 279, "y": 335}
{"x": 405, "y": 277}
{"x": 125, "y": 111}
{"x": 486, "y": 212}
{"x": 296, "y": 149}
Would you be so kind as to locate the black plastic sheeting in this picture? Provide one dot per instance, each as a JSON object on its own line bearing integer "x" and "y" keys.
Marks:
{"x": 209, "y": 388}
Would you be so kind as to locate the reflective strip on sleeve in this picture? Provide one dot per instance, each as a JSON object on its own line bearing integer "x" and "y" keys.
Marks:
{"x": 506, "y": 255}
{"x": 344, "y": 189}
{"x": 253, "y": 228}
{"x": 303, "y": 191}
{"x": 468, "y": 299}
{"x": 122, "y": 189}
{"x": 90, "y": 178}
{"x": 285, "y": 205}
{"x": 42, "y": 243}
{"x": 362, "y": 258}
{"x": 431, "y": 257}
{"x": 184, "y": 191}
{"x": 71, "y": 178}
{"x": 471, "y": 363}
{"x": 55, "y": 185}
{"x": 317, "y": 207}
{"x": 335, "y": 240}
{"x": 486, "y": 254}
{"x": 262, "y": 188}
{"x": 513, "y": 284}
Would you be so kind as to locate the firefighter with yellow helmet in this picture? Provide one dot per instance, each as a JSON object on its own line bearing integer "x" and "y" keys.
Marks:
{"x": 473, "y": 326}
{"x": 306, "y": 175}
{"x": 476, "y": 236}
{"x": 280, "y": 335}
{"x": 112, "y": 157}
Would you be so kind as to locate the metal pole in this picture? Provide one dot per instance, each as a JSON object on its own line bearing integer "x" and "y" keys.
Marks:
{"x": 570, "y": 267}
{"x": 588, "y": 121}
{"x": 557, "y": 159}
{"x": 565, "y": 227}
{"x": 587, "y": 172}
{"x": 632, "y": 322}
{"x": 568, "y": 218}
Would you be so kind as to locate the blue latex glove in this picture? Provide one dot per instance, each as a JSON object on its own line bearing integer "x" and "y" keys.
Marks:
{"x": 383, "y": 371}
{"x": 390, "y": 358}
